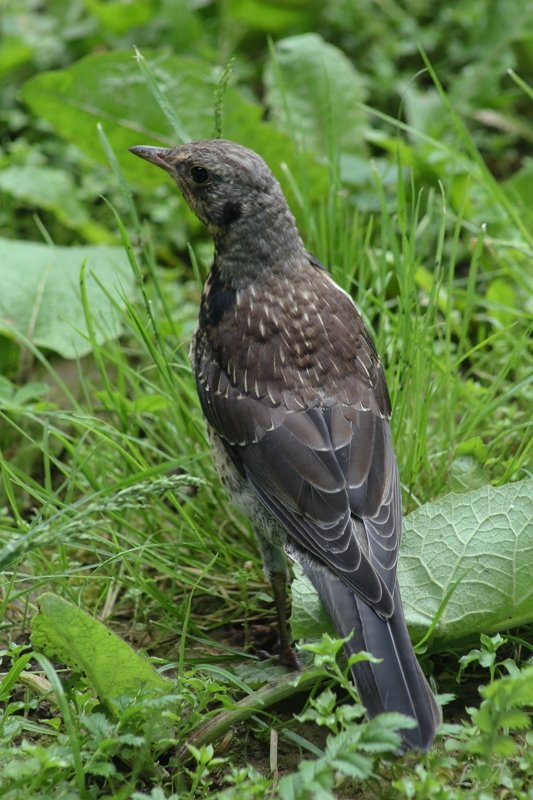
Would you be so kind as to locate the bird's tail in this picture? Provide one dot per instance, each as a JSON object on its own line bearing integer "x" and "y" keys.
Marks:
{"x": 397, "y": 683}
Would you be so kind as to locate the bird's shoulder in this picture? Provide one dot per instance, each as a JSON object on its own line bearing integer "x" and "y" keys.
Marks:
{"x": 291, "y": 338}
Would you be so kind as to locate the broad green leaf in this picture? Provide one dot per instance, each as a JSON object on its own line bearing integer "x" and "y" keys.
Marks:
{"x": 520, "y": 185}
{"x": 424, "y": 110}
{"x": 501, "y": 297}
{"x": 62, "y": 630}
{"x": 118, "y": 17}
{"x": 481, "y": 540}
{"x": 12, "y": 53}
{"x": 54, "y": 190}
{"x": 255, "y": 674}
{"x": 315, "y": 93}
{"x": 467, "y": 473}
{"x": 109, "y": 88}
{"x": 273, "y": 17}
{"x": 309, "y": 619}
{"x": 41, "y": 297}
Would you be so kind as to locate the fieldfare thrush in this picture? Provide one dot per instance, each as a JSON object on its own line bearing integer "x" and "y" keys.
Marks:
{"x": 297, "y": 410}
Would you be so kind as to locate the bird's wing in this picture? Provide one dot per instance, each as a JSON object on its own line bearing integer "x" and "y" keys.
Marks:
{"x": 327, "y": 473}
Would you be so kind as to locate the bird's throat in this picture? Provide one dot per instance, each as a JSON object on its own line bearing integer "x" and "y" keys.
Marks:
{"x": 247, "y": 254}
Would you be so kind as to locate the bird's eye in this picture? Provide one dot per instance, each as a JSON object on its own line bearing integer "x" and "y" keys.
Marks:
{"x": 199, "y": 174}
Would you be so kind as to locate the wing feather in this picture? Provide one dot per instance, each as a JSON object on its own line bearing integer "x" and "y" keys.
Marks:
{"x": 329, "y": 475}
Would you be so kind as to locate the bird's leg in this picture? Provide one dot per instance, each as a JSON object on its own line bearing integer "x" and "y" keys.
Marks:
{"x": 287, "y": 656}
{"x": 275, "y": 564}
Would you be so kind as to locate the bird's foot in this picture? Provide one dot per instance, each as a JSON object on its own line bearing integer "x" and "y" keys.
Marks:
{"x": 289, "y": 658}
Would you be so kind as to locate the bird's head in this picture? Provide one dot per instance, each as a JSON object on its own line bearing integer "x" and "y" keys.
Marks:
{"x": 221, "y": 181}
{"x": 233, "y": 192}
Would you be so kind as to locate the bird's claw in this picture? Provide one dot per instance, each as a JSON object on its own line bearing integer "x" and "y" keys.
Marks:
{"x": 288, "y": 657}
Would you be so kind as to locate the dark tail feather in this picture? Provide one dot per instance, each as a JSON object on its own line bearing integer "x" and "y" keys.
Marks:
{"x": 397, "y": 683}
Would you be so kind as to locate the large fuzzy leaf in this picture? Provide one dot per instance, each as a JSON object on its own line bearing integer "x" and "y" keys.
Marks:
{"x": 476, "y": 547}
{"x": 55, "y": 191}
{"x": 41, "y": 297}
{"x": 110, "y": 89}
{"x": 62, "y": 630}
{"x": 315, "y": 92}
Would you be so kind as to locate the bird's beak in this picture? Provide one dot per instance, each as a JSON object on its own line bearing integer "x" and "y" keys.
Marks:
{"x": 156, "y": 155}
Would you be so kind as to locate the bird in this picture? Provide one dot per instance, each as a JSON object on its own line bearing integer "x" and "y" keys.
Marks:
{"x": 297, "y": 411}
